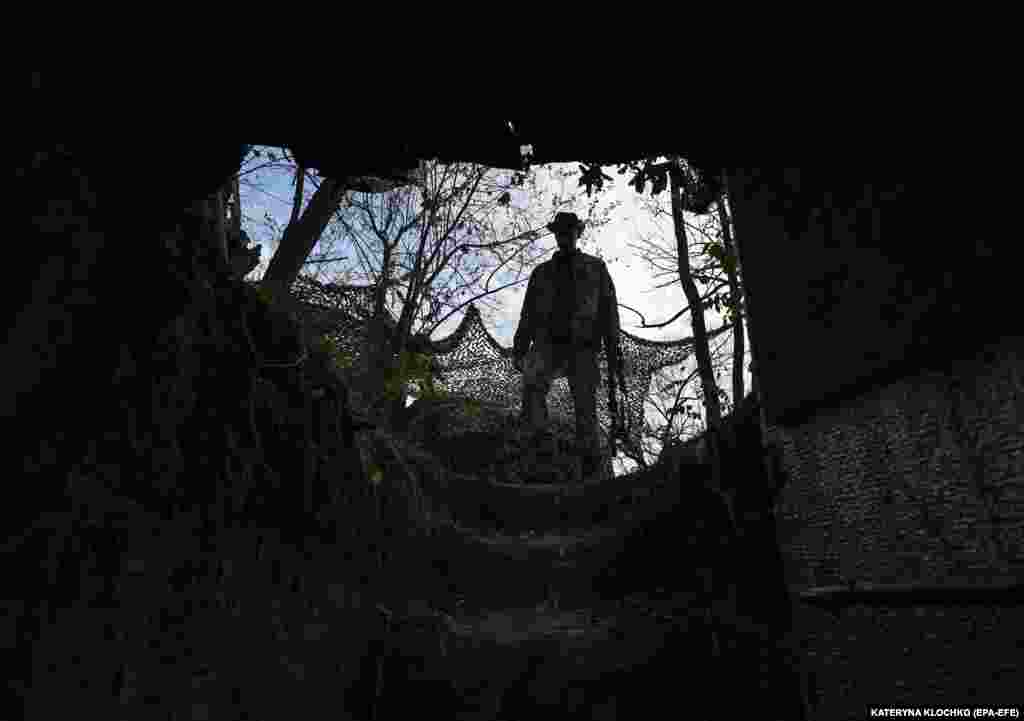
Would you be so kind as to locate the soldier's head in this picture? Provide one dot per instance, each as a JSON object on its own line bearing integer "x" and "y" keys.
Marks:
{"x": 567, "y": 229}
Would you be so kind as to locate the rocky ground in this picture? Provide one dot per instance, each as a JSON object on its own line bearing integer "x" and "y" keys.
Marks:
{"x": 542, "y": 618}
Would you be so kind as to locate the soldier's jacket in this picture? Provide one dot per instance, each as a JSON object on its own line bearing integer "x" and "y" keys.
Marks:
{"x": 553, "y": 312}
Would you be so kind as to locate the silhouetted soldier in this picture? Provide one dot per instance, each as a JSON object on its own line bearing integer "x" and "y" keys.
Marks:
{"x": 570, "y": 308}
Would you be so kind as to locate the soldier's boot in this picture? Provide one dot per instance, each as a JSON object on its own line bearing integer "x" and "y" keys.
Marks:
{"x": 591, "y": 459}
{"x": 543, "y": 442}
{"x": 536, "y": 448}
{"x": 593, "y": 467}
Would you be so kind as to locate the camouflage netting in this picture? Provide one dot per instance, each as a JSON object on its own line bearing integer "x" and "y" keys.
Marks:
{"x": 472, "y": 364}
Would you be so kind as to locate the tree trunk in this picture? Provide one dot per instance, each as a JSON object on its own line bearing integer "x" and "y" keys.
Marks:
{"x": 382, "y": 350}
{"x": 300, "y": 183}
{"x": 700, "y": 334}
{"x": 300, "y": 237}
{"x": 403, "y": 329}
{"x": 712, "y": 406}
{"x": 236, "y": 208}
{"x": 755, "y": 385}
{"x": 736, "y": 295}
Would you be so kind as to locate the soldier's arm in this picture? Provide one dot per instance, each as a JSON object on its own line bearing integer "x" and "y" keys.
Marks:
{"x": 525, "y": 331}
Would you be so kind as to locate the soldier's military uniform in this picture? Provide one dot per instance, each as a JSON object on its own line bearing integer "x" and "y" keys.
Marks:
{"x": 569, "y": 311}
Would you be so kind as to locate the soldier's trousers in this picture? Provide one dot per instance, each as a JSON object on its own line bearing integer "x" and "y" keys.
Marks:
{"x": 546, "y": 361}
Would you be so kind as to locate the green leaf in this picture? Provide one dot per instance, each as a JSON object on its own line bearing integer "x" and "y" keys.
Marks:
{"x": 659, "y": 183}
{"x": 639, "y": 181}
{"x": 716, "y": 251}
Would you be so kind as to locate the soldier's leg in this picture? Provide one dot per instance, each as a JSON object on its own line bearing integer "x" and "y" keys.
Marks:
{"x": 584, "y": 379}
{"x": 538, "y": 372}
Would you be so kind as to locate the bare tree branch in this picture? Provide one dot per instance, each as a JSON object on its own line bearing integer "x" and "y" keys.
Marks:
{"x": 471, "y": 300}
{"x": 298, "y": 180}
{"x": 301, "y": 236}
{"x": 313, "y": 261}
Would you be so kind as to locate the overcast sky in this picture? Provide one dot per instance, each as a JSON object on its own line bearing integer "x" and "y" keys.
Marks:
{"x": 633, "y": 277}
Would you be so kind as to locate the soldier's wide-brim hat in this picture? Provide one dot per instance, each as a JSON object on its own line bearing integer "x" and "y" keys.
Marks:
{"x": 566, "y": 221}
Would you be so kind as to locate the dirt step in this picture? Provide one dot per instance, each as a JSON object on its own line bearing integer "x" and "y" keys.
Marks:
{"x": 544, "y": 546}
{"x": 502, "y": 570}
{"x": 516, "y": 663}
{"x": 512, "y": 507}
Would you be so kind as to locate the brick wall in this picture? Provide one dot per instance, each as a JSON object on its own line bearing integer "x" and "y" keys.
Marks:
{"x": 919, "y": 481}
